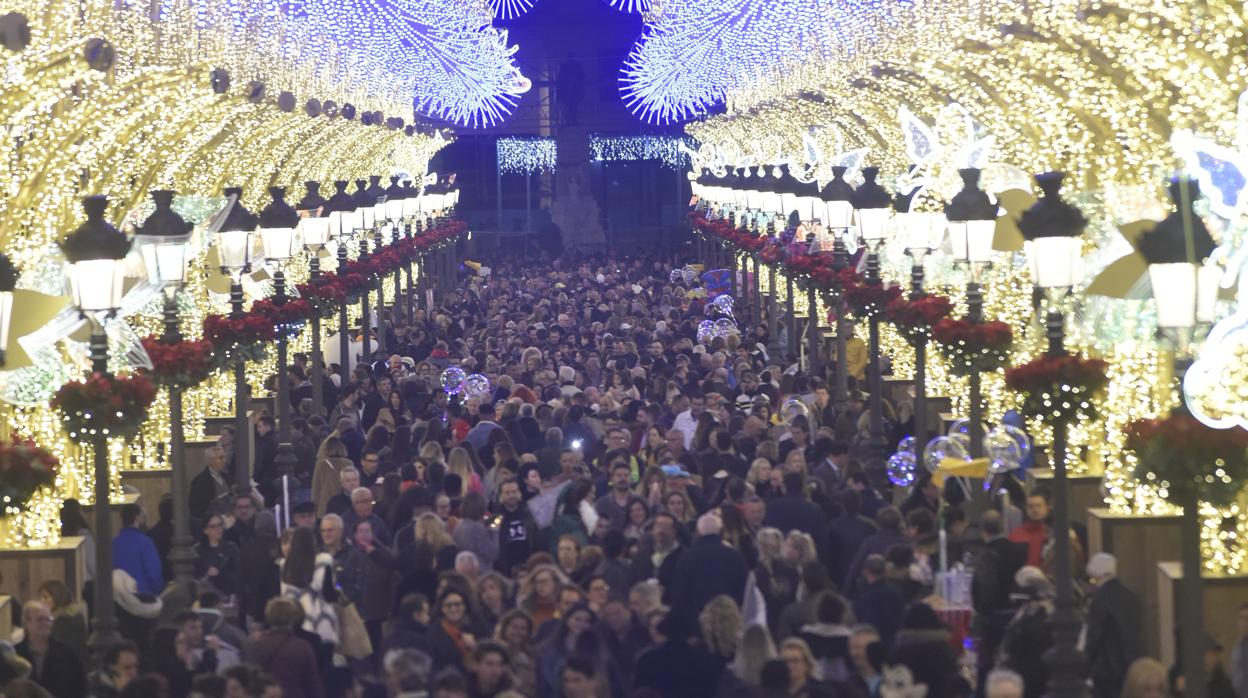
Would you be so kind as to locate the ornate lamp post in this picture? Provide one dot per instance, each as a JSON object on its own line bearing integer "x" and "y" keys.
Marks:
{"x": 96, "y": 253}
{"x": 1185, "y": 289}
{"x": 838, "y": 214}
{"x": 277, "y": 233}
{"x": 341, "y": 213}
{"x": 972, "y": 222}
{"x": 921, "y": 234}
{"x": 364, "y": 206}
{"x": 315, "y": 230}
{"x": 1053, "y": 230}
{"x": 234, "y": 242}
{"x": 872, "y": 203}
{"x": 164, "y": 240}
{"x": 380, "y": 221}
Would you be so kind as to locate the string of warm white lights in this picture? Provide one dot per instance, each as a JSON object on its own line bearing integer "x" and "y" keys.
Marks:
{"x": 525, "y": 155}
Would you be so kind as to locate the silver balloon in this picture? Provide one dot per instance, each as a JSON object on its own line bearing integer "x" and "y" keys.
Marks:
{"x": 1000, "y": 445}
{"x": 706, "y": 331}
{"x": 1021, "y": 437}
{"x": 476, "y": 385}
{"x": 901, "y": 469}
{"x": 909, "y": 444}
{"x": 792, "y": 409}
{"x": 453, "y": 380}
{"x": 723, "y": 304}
{"x": 676, "y": 276}
{"x": 940, "y": 448}
{"x": 725, "y": 327}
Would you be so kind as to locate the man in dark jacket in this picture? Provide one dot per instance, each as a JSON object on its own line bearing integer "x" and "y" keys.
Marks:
{"x": 794, "y": 511}
{"x": 877, "y": 602}
{"x": 54, "y": 666}
{"x": 845, "y": 534}
{"x": 517, "y": 531}
{"x": 411, "y": 626}
{"x": 672, "y": 668}
{"x": 658, "y": 559}
{"x": 1114, "y": 631}
{"x": 708, "y": 569}
{"x": 995, "y": 566}
{"x": 211, "y": 487}
{"x": 879, "y": 543}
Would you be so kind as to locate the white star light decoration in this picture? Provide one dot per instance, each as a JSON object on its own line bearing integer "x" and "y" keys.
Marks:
{"x": 456, "y": 66}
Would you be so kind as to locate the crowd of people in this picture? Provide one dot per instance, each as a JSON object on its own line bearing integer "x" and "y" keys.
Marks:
{"x": 624, "y": 510}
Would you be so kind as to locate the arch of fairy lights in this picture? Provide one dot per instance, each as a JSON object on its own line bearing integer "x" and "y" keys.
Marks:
{"x": 153, "y": 120}
{"x": 1094, "y": 89}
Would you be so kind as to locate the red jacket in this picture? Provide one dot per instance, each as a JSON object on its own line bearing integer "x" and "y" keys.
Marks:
{"x": 1035, "y": 534}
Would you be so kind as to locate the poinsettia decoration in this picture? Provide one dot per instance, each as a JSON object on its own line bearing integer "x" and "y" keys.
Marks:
{"x": 104, "y": 405}
{"x": 324, "y": 294}
{"x": 179, "y": 365}
{"x": 1190, "y": 461}
{"x": 867, "y": 301}
{"x": 974, "y": 347}
{"x": 244, "y": 338}
{"x": 24, "y": 468}
{"x": 1058, "y": 388}
{"x": 287, "y": 317}
{"x": 915, "y": 317}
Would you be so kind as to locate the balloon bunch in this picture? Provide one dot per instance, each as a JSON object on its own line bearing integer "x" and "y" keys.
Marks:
{"x": 455, "y": 381}
{"x": 1006, "y": 447}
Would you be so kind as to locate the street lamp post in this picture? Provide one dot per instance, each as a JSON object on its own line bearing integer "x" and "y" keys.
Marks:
{"x": 277, "y": 233}
{"x": 315, "y": 233}
{"x": 1053, "y": 230}
{"x": 364, "y": 206}
{"x": 1186, "y": 290}
{"x": 872, "y": 203}
{"x": 96, "y": 253}
{"x": 972, "y": 222}
{"x": 164, "y": 240}
{"x": 341, "y": 213}
{"x": 395, "y": 195}
{"x": 234, "y": 251}
{"x": 838, "y": 216}
{"x": 922, "y": 233}
{"x": 380, "y": 221}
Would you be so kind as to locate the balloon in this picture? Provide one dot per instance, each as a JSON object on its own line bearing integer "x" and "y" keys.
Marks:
{"x": 725, "y": 327}
{"x": 792, "y": 409}
{"x": 723, "y": 304}
{"x": 909, "y": 444}
{"x": 901, "y": 469}
{"x": 706, "y": 331}
{"x": 476, "y": 385}
{"x": 1020, "y": 436}
{"x": 676, "y": 276}
{"x": 453, "y": 380}
{"x": 688, "y": 275}
{"x": 940, "y": 448}
{"x": 999, "y": 445}
{"x": 1001, "y": 467}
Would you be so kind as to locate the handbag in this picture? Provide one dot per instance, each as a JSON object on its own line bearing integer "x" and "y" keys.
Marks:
{"x": 353, "y": 640}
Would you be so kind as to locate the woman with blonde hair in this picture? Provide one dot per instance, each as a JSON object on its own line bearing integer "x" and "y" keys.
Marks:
{"x": 1146, "y": 678}
{"x": 770, "y": 450}
{"x": 803, "y": 671}
{"x": 331, "y": 459}
{"x": 539, "y": 592}
{"x": 753, "y": 651}
{"x": 721, "y": 622}
{"x": 759, "y": 476}
{"x": 429, "y": 551}
{"x": 799, "y": 549}
{"x": 432, "y": 451}
{"x": 459, "y": 462}
{"x": 776, "y": 579}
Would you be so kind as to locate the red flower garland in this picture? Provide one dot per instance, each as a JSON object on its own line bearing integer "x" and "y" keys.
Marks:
{"x": 1192, "y": 461}
{"x": 24, "y": 468}
{"x": 870, "y": 300}
{"x": 238, "y": 339}
{"x": 974, "y": 347}
{"x": 914, "y": 318}
{"x": 108, "y": 405}
{"x": 1058, "y": 388}
{"x": 179, "y": 365}
{"x": 288, "y": 317}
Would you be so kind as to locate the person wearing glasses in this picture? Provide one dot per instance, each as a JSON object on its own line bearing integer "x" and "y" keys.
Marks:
{"x": 453, "y": 635}
{"x": 216, "y": 559}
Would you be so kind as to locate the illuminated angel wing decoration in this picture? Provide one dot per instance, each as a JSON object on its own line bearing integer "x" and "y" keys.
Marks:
{"x": 1222, "y": 172}
{"x": 1215, "y": 380}
{"x": 807, "y": 170}
{"x": 921, "y": 144}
